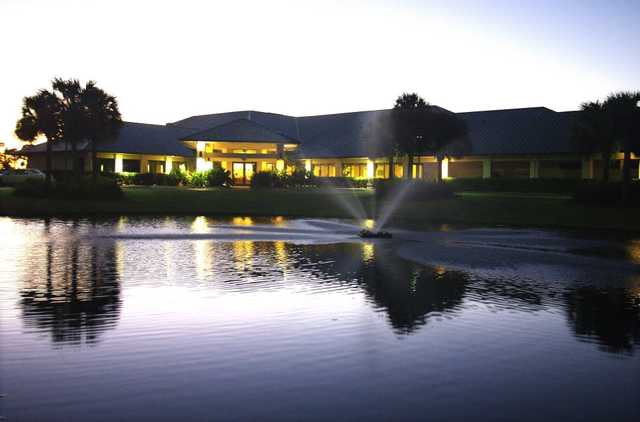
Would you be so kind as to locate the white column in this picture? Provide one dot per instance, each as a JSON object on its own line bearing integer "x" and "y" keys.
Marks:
{"x": 534, "y": 169}
{"x": 117, "y": 167}
{"x": 370, "y": 169}
{"x": 338, "y": 168}
{"x": 168, "y": 165}
{"x": 486, "y": 168}
{"x": 445, "y": 168}
{"x": 587, "y": 168}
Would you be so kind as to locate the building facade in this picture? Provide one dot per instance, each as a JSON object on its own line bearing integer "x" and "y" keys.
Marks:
{"x": 515, "y": 143}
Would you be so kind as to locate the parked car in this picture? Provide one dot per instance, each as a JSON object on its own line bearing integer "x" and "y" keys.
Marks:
{"x": 10, "y": 177}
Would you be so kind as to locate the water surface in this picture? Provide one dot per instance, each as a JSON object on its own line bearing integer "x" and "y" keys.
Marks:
{"x": 134, "y": 318}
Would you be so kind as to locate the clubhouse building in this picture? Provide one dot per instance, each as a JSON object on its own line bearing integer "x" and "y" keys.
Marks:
{"x": 515, "y": 143}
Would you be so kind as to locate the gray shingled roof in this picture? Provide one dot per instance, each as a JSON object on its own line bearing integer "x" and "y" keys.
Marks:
{"x": 240, "y": 130}
{"x": 136, "y": 138}
{"x": 536, "y": 130}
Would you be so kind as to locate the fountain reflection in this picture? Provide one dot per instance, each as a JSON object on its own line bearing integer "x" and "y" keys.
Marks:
{"x": 76, "y": 296}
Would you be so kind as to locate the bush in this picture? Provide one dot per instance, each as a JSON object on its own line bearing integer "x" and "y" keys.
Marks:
{"x": 218, "y": 176}
{"x": 342, "y": 182}
{"x": 416, "y": 190}
{"x": 606, "y": 193}
{"x": 497, "y": 184}
{"x": 299, "y": 178}
{"x": 198, "y": 180}
{"x": 102, "y": 188}
{"x": 267, "y": 180}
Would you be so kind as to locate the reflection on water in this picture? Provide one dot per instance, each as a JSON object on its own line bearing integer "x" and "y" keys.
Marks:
{"x": 249, "y": 301}
{"x": 75, "y": 295}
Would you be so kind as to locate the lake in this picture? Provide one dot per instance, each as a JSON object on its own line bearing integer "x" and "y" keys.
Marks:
{"x": 153, "y": 319}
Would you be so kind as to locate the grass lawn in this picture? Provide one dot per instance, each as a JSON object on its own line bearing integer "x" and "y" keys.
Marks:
{"x": 467, "y": 208}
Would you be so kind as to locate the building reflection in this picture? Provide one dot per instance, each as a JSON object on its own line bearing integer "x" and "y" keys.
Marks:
{"x": 75, "y": 295}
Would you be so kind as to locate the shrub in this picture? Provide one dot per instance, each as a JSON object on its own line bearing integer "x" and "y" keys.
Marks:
{"x": 342, "y": 182}
{"x": 198, "y": 179}
{"x": 300, "y": 178}
{"x": 218, "y": 176}
{"x": 178, "y": 177}
{"x": 606, "y": 193}
{"x": 102, "y": 188}
{"x": 267, "y": 179}
{"x": 416, "y": 190}
{"x": 516, "y": 185}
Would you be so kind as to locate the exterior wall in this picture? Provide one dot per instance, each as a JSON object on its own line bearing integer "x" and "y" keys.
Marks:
{"x": 62, "y": 161}
{"x": 462, "y": 169}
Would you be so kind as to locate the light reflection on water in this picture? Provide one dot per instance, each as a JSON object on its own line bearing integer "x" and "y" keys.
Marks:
{"x": 273, "y": 330}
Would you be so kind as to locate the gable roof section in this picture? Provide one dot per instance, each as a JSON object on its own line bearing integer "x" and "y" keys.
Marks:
{"x": 240, "y": 130}
{"x": 280, "y": 123}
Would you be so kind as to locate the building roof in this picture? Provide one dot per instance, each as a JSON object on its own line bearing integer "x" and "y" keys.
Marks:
{"x": 240, "y": 130}
{"x": 536, "y": 130}
{"x": 134, "y": 138}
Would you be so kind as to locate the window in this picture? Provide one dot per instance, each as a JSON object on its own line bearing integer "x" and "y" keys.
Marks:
{"x": 155, "y": 166}
{"x": 268, "y": 166}
{"x": 355, "y": 170}
{"x": 106, "y": 165}
{"x": 399, "y": 170}
{"x": 131, "y": 166}
{"x": 324, "y": 170}
{"x": 381, "y": 171}
{"x": 416, "y": 172}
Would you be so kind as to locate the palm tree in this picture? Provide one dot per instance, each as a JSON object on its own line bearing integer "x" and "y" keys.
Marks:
{"x": 593, "y": 131}
{"x": 73, "y": 116}
{"x": 421, "y": 128}
{"x": 103, "y": 120}
{"x": 623, "y": 109}
{"x": 41, "y": 117}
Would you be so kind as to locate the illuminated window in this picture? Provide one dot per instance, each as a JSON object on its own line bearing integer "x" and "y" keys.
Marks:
{"x": 244, "y": 151}
{"x": 416, "y": 172}
{"x": 355, "y": 170}
{"x": 324, "y": 170}
{"x": 155, "y": 166}
{"x": 268, "y": 166}
{"x": 399, "y": 170}
{"x": 381, "y": 171}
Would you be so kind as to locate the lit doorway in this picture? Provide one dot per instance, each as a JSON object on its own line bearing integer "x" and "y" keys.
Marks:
{"x": 243, "y": 172}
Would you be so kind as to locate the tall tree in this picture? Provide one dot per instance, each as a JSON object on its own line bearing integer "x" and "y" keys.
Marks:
{"x": 624, "y": 111}
{"x": 103, "y": 119}
{"x": 41, "y": 116}
{"x": 421, "y": 128}
{"x": 73, "y": 116}
{"x": 593, "y": 132}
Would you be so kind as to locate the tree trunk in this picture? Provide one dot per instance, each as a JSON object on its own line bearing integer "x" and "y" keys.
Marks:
{"x": 74, "y": 159}
{"x": 606, "y": 158}
{"x": 626, "y": 176}
{"x": 48, "y": 166}
{"x": 94, "y": 159}
{"x": 439, "y": 169}
{"x": 392, "y": 172}
{"x": 409, "y": 166}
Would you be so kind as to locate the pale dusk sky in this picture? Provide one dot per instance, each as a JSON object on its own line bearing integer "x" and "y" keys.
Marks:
{"x": 167, "y": 60}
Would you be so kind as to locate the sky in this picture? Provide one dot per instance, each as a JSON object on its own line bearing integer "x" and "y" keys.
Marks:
{"x": 168, "y": 60}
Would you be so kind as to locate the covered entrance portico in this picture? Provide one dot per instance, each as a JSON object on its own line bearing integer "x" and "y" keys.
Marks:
{"x": 241, "y": 147}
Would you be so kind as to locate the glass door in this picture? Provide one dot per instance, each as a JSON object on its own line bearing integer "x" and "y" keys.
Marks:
{"x": 242, "y": 173}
